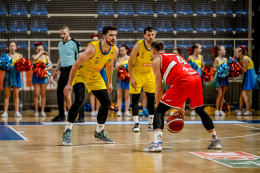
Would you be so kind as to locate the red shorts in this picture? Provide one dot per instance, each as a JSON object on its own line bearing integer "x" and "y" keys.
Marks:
{"x": 187, "y": 87}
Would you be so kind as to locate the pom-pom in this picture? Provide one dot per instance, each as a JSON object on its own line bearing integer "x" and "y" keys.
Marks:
{"x": 23, "y": 64}
{"x": 38, "y": 69}
{"x": 193, "y": 65}
{"x": 227, "y": 107}
{"x": 5, "y": 62}
{"x": 235, "y": 69}
{"x": 258, "y": 76}
{"x": 123, "y": 73}
{"x": 207, "y": 74}
{"x": 223, "y": 70}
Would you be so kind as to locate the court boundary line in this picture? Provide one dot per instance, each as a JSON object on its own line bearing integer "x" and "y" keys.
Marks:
{"x": 247, "y": 126}
{"x": 19, "y": 134}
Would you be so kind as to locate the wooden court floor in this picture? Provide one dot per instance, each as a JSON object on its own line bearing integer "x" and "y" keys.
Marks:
{"x": 40, "y": 148}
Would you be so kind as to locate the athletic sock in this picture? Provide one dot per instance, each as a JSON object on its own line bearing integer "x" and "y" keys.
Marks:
{"x": 157, "y": 136}
{"x": 69, "y": 126}
{"x": 100, "y": 127}
{"x": 136, "y": 119}
{"x": 151, "y": 119}
{"x": 213, "y": 135}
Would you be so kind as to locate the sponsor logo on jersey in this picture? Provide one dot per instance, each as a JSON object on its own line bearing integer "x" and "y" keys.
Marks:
{"x": 146, "y": 64}
{"x": 112, "y": 53}
{"x": 97, "y": 69}
{"x": 97, "y": 61}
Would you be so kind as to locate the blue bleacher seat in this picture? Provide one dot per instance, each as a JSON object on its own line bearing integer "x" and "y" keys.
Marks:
{"x": 183, "y": 8}
{"x": 44, "y": 43}
{"x": 184, "y": 44}
{"x": 168, "y": 44}
{"x": 105, "y": 9}
{"x": 203, "y": 25}
{"x": 38, "y": 25}
{"x": 38, "y": 8}
{"x": 3, "y": 45}
{"x": 3, "y": 27}
{"x": 223, "y": 26}
{"x": 241, "y": 25}
{"x": 241, "y": 7}
{"x": 164, "y": 9}
{"x": 183, "y": 25}
{"x": 125, "y": 25}
{"x": 125, "y": 8}
{"x": 22, "y": 44}
{"x": 242, "y": 43}
{"x": 222, "y": 8}
{"x": 142, "y": 23}
{"x": 127, "y": 43}
{"x": 18, "y": 9}
{"x": 144, "y": 8}
{"x": 164, "y": 25}
{"x": 3, "y": 11}
{"x": 207, "y": 57}
{"x": 18, "y": 26}
{"x": 224, "y": 43}
{"x": 203, "y": 8}
{"x": 102, "y": 23}
{"x": 205, "y": 44}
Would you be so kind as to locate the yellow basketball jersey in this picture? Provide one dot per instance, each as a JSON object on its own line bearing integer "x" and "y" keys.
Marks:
{"x": 198, "y": 62}
{"x": 93, "y": 66}
{"x": 124, "y": 62}
{"x": 15, "y": 60}
{"x": 144, "y": 60}
{"x": 219, "y": 63}
{"x": 250, "y": 65}
{"x": 42, "y": 60}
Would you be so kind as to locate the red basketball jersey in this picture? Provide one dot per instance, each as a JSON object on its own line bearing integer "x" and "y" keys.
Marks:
{"x": 174, "y": 67}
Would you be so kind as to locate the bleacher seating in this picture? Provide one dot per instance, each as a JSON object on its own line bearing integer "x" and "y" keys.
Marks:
{"x": 164, "y": 25}
{"x": 205, "y": 44}
{"x": 223, "y": 26}
{"x": 124, "y": 8}
{"x": 203, "y": 25}
{"x": 38, "y": 8}
{"x": 241, "y": 25}
{"x": 183, "y": 25}
{"x": 18, "y": 9}
{"x": 241, "y": 7}
{"x": 203, "y": 8}
{"x": 183, "y": 8}
{"x": 44, "y": 44}
{"x": 127, "y": 43}
{"x": 225, "y": 43}
{"x": 22, "y": 44}
{"x": 222, "y": 8}
{"x": 3, "y": 11}
{"x": 105, "y": 9}
{"x": 144, "y": 8}
{"x": 3, "y": 45}
{"x": 142, "y": 23}
{"x": 184, "y": 44}
{"x": 18, "y": 25}
{"x": 125, "y": 25}
{"x": 3, "y": 27}
{"x": 103, "y": 22}
{"x": 242, "y": 43}
{"x": 164, "y": 9}
{"x": 168, "y": 44}
{"x": 38, "y": 25}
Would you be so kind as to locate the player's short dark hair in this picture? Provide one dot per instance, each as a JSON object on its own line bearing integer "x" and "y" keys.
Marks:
{"x": 157, "y": 46}
{"x": 149, "y": 29}
{"x": 108, "y": 28}
{"x": 65, "y": 27}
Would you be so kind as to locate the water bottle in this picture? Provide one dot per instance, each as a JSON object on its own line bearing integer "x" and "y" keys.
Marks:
{"x": 21, "y": 106}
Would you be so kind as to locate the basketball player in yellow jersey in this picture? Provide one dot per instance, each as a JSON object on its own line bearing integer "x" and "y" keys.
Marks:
{"x": 85, "y": 72}
{"x": 142, "y": 76}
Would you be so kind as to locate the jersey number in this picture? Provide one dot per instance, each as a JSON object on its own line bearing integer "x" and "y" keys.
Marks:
{"x": 181, "y": 60}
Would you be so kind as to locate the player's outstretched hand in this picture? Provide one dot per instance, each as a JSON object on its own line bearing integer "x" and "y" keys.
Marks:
{"x": 67, "y": 90}
{"x": 133, "y": 82}
{"x": 109, "y": 88}
{"x": 181, "y": 113}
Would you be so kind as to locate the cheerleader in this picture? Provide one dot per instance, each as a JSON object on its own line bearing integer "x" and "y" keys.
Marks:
{"x": 221, "y": 83}
{"x": 122, "y": 85}
{"x": 176, "y": 51}
{"x": 194, "y": 56}
{"x": 12, "y": 80}
{"x": 40, "y": 83}
{"x": 249, "y": 81}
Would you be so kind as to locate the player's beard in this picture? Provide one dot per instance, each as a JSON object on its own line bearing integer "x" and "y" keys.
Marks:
{"x": 149, "y": 41}
{"x": 109, "y": 43}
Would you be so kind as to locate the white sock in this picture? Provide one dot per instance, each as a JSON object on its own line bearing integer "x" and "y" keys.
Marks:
{"x": 69, "y": 126}
{"x": 151, "y": 119}
{"x": 136, "y": 118}
{"x": 213, "y": 135}
{"x": 100, "y": 127}
{"x": 157, "y": 136}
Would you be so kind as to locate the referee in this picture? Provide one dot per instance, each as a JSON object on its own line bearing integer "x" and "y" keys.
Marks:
{"x": 68, "y": 54}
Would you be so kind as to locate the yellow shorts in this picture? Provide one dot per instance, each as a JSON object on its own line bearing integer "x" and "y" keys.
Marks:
{"x": 145, "y": 81}
{"x": 93, "y": 83}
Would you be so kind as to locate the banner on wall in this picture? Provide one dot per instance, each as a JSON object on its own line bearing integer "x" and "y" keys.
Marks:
{"x": 27, "y": 81}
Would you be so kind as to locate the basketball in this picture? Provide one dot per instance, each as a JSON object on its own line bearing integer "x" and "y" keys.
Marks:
{"x": 174, "y": 124}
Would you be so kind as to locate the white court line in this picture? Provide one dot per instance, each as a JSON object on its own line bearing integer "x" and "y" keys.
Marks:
{"x": 247, "y": 126}
{"x": 24, "y": 138}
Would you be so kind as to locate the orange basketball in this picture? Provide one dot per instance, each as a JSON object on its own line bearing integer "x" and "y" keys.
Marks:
{"x": 174, "y": 123}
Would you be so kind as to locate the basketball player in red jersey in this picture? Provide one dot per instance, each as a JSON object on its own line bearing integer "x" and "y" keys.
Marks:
{"x": 179, "y": 75}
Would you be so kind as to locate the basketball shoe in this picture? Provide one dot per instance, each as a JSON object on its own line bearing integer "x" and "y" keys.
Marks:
{"x": 153, "y": 147}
